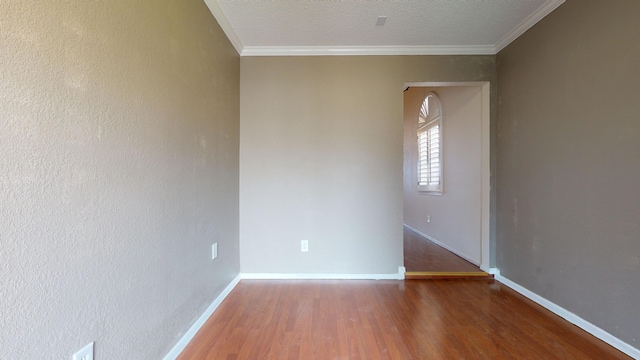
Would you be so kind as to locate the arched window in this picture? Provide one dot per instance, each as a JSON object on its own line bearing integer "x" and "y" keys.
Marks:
{"x": 430, "y": 145}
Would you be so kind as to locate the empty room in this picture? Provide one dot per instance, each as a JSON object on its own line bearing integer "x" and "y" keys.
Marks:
{"x": 235, "y": 179}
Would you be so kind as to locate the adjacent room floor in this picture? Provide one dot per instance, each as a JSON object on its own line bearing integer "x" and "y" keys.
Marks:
{"x": 424, "y": 259}
{"x": 421, "y": 254}
{"x": 368, "y": 320}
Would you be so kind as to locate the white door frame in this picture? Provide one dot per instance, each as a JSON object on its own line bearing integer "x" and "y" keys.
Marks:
{"x": 485, "y": 208}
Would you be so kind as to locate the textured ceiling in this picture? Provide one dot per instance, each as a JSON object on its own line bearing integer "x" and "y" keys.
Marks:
{"x": 320, "y": 27}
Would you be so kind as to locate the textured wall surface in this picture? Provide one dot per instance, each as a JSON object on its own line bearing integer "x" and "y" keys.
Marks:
{"x": 568, "y": 169}
{"x": 456, "y": 214}
{"x": 321, "y": 158}
{"x": 119, "y": 135}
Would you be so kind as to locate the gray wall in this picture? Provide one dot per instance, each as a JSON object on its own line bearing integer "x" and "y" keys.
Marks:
{"x": 119, "y": 135}
{"x": 321, "y": 158}
{"x": 568, "y": 143}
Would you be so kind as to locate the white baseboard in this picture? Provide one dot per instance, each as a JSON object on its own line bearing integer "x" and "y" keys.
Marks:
{"x": 271, "y": 276}
{"x": 556, "y": 309}
{"x": 188, "y": 336}
{"x": 572, "y": 318}
{"x": 401, "y": 272}
{"x": 443, "y": 245}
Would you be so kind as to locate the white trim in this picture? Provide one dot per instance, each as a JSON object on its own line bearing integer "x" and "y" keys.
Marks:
{"x": 217, "y": 13}
{"x": 527, "y": 24}
{"x": 485, "y": 186}
{"x": 442, "y": 245}
{"x": 572, "y": 318}
{"x": 444, "y": 83}
{"x": 188, "y": 336}
{"x": 402, "y": 271}
{"x": 365, "y": 50}
{"x": 485, "y": 179}
{"x": 282, "y": 276}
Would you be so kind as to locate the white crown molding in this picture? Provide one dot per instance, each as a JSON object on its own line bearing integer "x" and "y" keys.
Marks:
{"x": 188, "y": 336}
{"x": 527, "y": 24}
{"x": 217, "y": 13}
{"x": 571, "y": 317}
{"x": 365, "y": 50}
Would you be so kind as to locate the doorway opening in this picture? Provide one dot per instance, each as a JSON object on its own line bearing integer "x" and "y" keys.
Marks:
{"x": 456, "y": 218}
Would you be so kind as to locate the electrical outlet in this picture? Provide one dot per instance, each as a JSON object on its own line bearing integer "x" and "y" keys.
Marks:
{"x": 86, "y": 353}
{"x": 304, "y": 245}
{"x": 428, "y": 218}
{"x": 214, "y": 251}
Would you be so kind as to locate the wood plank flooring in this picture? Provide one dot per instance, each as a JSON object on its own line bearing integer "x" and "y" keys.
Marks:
{"x": 421, "y": 254}
{"x": 368, "y": 320}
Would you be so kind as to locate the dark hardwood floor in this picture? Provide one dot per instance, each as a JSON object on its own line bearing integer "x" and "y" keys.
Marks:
{"x": 422, "y": 255}
{"x": 368, "y": 320}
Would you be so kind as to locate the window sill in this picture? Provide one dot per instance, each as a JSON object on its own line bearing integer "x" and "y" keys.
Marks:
{"x": 426, "y": 191}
